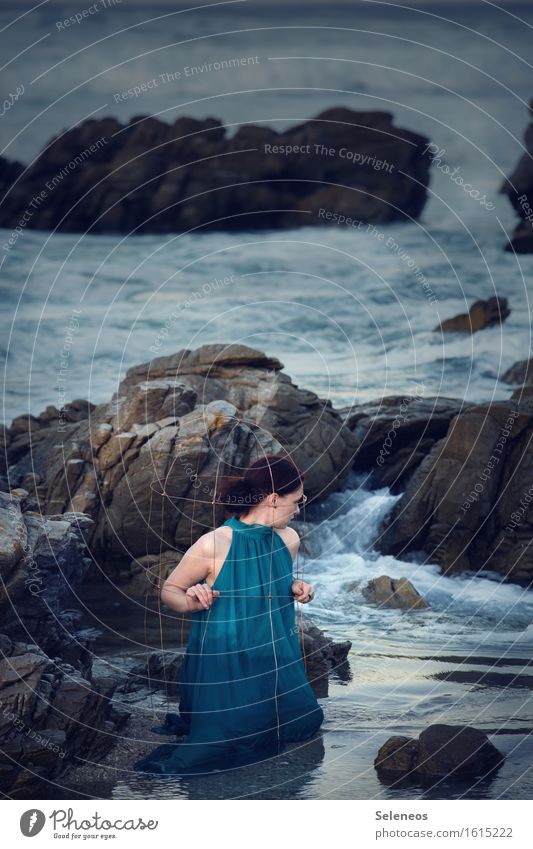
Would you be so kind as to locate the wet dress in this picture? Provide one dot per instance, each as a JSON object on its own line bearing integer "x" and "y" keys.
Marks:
{"x": 243, "y": 689}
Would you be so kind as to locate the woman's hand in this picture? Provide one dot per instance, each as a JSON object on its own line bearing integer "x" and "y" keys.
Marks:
{"x": 302, "y": 591}
{"x": 200, "y": 597}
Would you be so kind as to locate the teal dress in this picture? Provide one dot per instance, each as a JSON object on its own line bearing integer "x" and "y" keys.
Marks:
{"x": 244, "y": 693}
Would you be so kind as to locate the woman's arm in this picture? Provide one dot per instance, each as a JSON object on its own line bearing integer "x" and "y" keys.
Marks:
{"x": 182, "y": 590}
{"x": 301, "y": 590}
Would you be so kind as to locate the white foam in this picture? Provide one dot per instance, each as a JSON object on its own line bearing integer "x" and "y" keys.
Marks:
{"x": 467, "y": 606}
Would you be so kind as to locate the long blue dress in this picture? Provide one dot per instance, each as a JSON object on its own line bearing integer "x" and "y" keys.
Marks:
{"x": 244, "y": 692}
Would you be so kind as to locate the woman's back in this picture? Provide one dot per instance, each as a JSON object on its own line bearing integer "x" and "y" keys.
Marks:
{"x": 243, "y": 688}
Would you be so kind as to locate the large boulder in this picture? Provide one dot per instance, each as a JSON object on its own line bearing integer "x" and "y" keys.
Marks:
{"x": 519, "y": 189}
{"x": 456, "y": 751}
{"x": 467, "y": 504}
{"x": 152, "y": 177}
{"x": 146, "y": 466}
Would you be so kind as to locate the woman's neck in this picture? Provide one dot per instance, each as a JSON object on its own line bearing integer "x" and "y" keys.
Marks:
{"x": 254, "y": 522}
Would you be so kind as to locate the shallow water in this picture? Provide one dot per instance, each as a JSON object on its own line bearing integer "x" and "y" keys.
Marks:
{"x": 359, "y": 717}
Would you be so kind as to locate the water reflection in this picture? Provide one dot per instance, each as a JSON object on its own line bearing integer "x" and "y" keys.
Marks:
{"x": 285, "y": 776}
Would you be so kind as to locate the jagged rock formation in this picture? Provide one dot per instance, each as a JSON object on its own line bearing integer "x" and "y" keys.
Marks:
{"x": 144, "y": 467}
{"x": 52, "y": 707}
{"x": 152, "y": 177}
{"x": 42, "y": 561}
{"x": 467, "y": 504}
{"x": 50, "y": 714}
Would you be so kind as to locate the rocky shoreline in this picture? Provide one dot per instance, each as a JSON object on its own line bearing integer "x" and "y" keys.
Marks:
{"x": 76, "y": 483}
{"x": 177, "y": 423}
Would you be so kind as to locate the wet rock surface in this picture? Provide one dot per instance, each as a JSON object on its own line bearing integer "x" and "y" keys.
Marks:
{"x": 466, "y": 505}
{"x": 393, "y": 592}
{"x": 50, "y": 714}
{"x": 441, "y": 750}
{"x": 43, "y": 559}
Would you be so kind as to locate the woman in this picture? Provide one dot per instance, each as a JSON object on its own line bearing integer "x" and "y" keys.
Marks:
{"x": 243, "y": 688}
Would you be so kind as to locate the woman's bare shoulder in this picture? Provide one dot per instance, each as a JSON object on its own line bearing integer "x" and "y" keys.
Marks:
{"x": 290, "y": 535}
{"x": 291, "y": 539}
{"x": 214, "y": 539}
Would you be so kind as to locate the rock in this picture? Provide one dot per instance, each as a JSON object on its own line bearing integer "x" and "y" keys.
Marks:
{"x": 159, "y": 672}
{"x": 520, "y": 372}
{"x": 521, "y": 241}
{"x": 9, "y": 172}
{"x": 42, "y": 561}
{"x": 466, "y": 505}
{"x": 524, "y": 397}
{"x": 114, "y": 450}
{"x": 148, "y": 402}
{"x": 212, "y": 360}
{"x": 322, "y": 656}
{"x": 519, "y": 189}
{"x": 482, "y": 314}
{"x": 395, "y": 433}
{"x": 393, "y": 592}
{"x": 397, "y": 754}
{"x": 158, "y": 178}
{"x": 99, "y": 435}
{"x": 144, "y": 574}
{"x": 5, "y": 439}
{"x": 75, "y": 411}
{"x": 13, "y": 534}
{"x": 144, "y": 466}
{"x": 457, "y": 751}
{"x": 24, "y": 424}
{"x": 50, "y": 715}
{"x": 27, "y": 431}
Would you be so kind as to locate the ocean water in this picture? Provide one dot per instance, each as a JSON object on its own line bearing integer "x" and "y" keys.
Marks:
{"x": 343, "y": 311}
